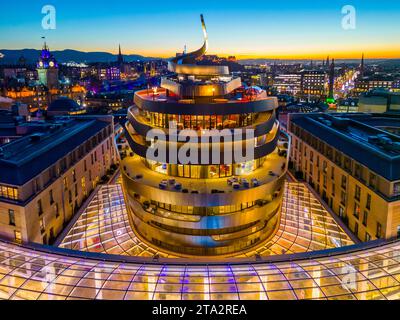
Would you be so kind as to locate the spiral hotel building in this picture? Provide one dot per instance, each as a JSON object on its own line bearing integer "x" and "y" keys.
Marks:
{"x": 212, "y": 208}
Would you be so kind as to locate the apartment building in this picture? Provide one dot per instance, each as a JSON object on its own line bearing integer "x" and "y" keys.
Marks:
{"x": 45, "y": 176}
{"x": 353, "y": 162}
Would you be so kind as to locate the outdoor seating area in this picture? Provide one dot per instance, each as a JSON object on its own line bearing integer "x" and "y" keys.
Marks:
{"x": 237, "y": 183}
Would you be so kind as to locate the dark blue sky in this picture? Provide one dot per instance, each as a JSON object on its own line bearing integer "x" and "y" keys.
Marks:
{"x": 244, "y": 28}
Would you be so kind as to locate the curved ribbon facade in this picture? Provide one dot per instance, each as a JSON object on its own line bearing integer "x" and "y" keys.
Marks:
{"x": 226, "y": 198}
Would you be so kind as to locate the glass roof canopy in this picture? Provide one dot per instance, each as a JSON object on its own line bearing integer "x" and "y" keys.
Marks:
{"x": 40, "y": 273}
{"x": 103, "y": 227}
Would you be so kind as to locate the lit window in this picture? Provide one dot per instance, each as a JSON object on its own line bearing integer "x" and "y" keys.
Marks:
{"x": 42, "y": 227}
{"x": 18, "y": 236}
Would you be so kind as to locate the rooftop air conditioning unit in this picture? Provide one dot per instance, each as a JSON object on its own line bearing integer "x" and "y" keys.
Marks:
{"x": 373, "y": 139}
{"x": 341, "y": 123}
{"x": 396, "y": 146}
{"x": 36, "y": 137}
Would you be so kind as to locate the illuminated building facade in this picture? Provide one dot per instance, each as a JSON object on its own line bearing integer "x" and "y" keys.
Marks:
{"x": 288, "y": 84}
{"x": 47, "y": 68}
{"x": 366, "y": 84}
{"x": 313, "y": 83}
{"x": 191, "y": 208}
{"x": 48, "y": 172}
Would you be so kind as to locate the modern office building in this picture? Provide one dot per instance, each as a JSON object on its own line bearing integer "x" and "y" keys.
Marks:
{"x": 214, "y": 204}
{"x": 48, "y": 171}
{"x": 313, "y": 83}
{"x": 366, "y": 84}
{"x": 307, "y": 83}
{"x": 288, "y": 84}
{"x": 353, "y": 162}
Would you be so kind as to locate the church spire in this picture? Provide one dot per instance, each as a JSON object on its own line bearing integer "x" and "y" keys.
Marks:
{"x": 331, "y": 81}
{"x": 362, "y": 66}
{"x": 120, "y": 56}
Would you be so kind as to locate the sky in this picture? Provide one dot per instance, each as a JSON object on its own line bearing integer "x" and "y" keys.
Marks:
{"x": 294, "y": 29}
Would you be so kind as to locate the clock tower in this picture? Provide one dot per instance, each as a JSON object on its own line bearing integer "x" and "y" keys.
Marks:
{"x": 47, "y": 68}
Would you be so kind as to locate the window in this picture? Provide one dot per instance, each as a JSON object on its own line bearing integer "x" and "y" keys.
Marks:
{"x": 396, "y": 188}
{"x": 83, "y": 185}
{"x": 338, "y": 158}
{"x": 65, "y": 182}
{"x": 85, "y": 165}
{"x": 74, "y": 175}
{"x": 369, "y": 199}
{"x": 341, "y": 212}
{"x": 357, "y": 194}
{"x": 63, "y": 164}
{"x": 365, "y": 218}
{"x": 358, "y": 171}
{"x": 367, "y": 237}
{"x": 378, "y": 230}
{"x": 325, "y": 166}
{"x": 356, "y": 229}
{"x": 18, "y": 236}
{"x": 36, "y": 185}
{"x": 40, "y": 207}
{"x": 11, "y": 217}
{"x": 42, "y": 226}
{"x": 53, "y": 172}
{"x": 343, "y": 198}
{"x": 347, "y": 164}
{"x": 357, "y": 210}
{"x": 344, "y": 182}
{"x": 51, "y": 197}
{"x": 333, "y": 173}
{"x": 56, "y": 210}
{"x": 8, "y": 192}
{"x": 372, "y": 180}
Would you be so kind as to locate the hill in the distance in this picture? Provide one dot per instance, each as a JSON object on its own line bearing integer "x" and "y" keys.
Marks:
{"x": 32, "y": 55}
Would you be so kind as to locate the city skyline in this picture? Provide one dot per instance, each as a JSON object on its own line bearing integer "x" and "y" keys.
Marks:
{"x": 266, "y": 30}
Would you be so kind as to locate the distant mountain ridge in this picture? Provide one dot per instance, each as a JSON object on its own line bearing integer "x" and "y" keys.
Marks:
{"x": 68, "y": 55}
{"x": 270, "y": 61}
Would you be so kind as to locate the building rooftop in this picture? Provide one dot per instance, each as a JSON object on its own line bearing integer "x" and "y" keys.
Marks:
{"x": 25, "y": 158}
{"x": 359, "y": 136}
{"x": 64, "y": 104}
